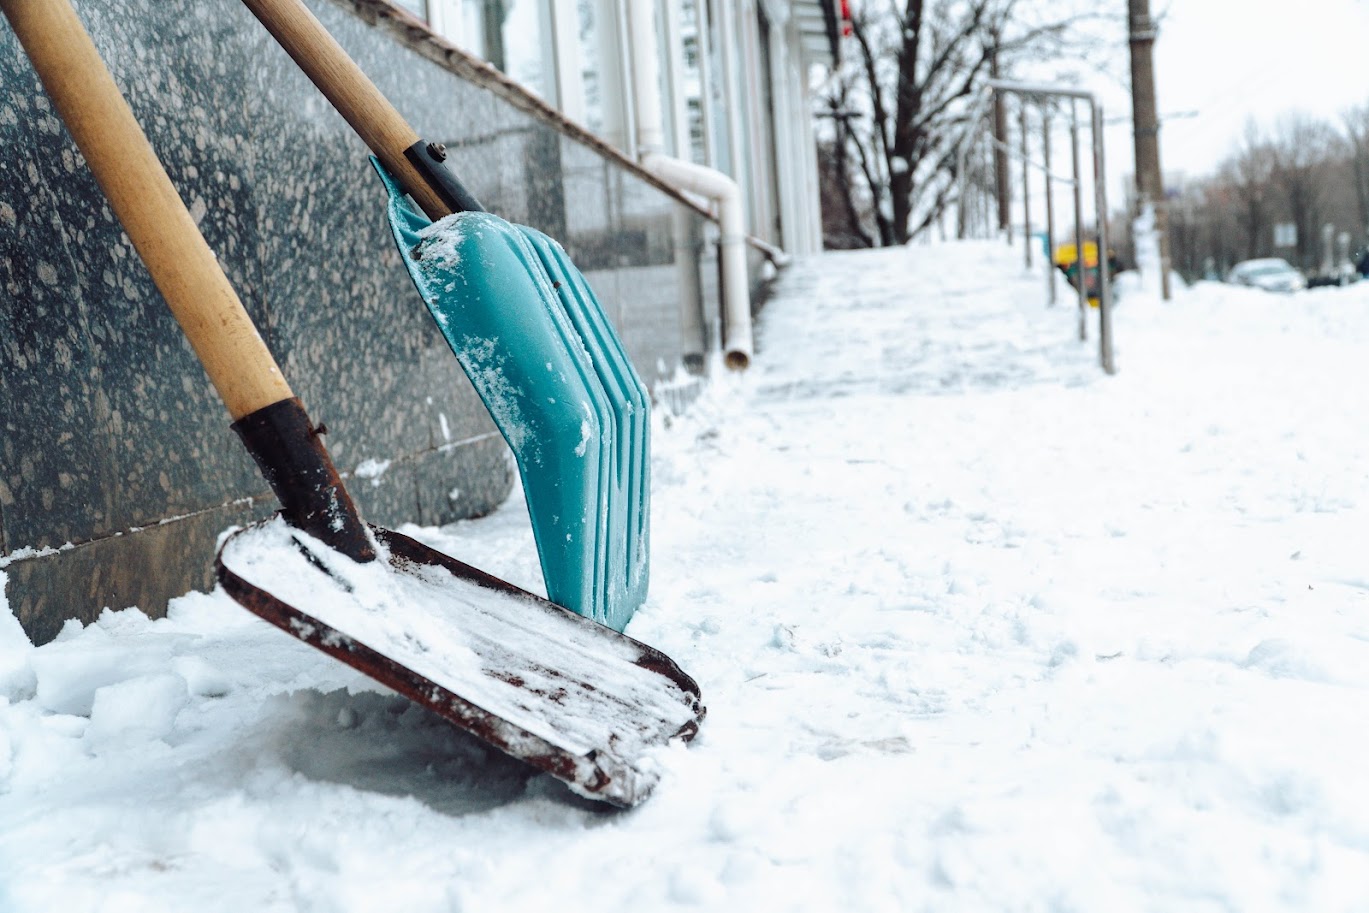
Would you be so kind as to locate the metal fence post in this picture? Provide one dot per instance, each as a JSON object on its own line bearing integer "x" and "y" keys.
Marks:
{"x": 1105, "y": 347}
{"x": 1050, "y": 204}
{"x": 1104, "y": 281}
{"x": 1078, "y": 223}
{"x": 1026, "y": 183}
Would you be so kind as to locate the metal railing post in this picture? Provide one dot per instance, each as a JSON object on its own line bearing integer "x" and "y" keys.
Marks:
{"x": 1105, "y": 347}
{"x": 1050, "y": 204}
{"x": 1078, "y": 224}
{"x": 1104, "y": 281}
{"x": 1026, "y": 183}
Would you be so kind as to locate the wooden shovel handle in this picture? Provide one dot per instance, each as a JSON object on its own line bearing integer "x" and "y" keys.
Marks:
{"x": 349, "y": 90}
{"x": 146, "y": 203}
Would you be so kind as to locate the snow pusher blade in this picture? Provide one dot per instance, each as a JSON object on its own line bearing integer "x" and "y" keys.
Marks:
{"x": 534, "y": 342}
{"x": 530, "y": 334}
{"x": 572, "y": 697}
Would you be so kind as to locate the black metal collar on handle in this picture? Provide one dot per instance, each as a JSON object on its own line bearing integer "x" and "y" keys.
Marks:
{"x": 288, "y": 449}
{"x": 430, "y": 160}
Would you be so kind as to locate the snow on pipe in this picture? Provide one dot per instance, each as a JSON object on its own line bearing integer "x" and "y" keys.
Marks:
{"x": 775, "y": 255}
{"x": 707, "y": 182}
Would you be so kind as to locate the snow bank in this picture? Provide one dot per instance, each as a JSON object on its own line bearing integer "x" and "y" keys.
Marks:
{"x": 979, "y": 629}
{"x": 16, "y": 673}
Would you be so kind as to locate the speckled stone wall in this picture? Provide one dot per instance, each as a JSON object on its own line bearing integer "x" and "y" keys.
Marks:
{"x": 117, "y": 466}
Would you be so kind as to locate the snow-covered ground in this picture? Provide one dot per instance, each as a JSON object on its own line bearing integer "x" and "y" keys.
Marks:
{"x": 978, "y": 627}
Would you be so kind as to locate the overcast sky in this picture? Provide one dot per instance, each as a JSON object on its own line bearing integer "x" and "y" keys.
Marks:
{"x": 1230, "y": 60}
{"x": 1218, "y": 64}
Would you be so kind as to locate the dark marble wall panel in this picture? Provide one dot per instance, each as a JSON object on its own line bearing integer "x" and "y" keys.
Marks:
{"x": 108, "y": 425}
{"x": 120, "y": 570}
{"x": 161, "y": 401}
{"x": 348, "y": 329}
{"x": 592, "y": 214}
{"x": 58, "y": 478}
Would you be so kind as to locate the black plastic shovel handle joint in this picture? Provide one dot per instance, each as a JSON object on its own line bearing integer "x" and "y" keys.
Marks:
{"x": 290, "y": 453}
{"x": 430, "y": 160}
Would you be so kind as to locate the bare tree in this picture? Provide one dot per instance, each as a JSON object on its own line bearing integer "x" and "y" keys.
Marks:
{"x": 843, "y": 225}
{"x": 843, "y": 221}
{"x": 1356, "y": 122}
{"x": 914, "y": 79}
{"x": 1305, "y": 172}
{"x": 1247, "y": 178}
{"x": 1303, "y": 147}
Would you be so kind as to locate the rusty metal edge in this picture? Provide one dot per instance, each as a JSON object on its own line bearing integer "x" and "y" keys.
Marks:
{"x": 651, "y": 659}
{"x": 594, "y": 775}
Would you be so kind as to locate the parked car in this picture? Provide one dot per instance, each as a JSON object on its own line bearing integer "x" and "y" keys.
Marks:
{"x": 1342, "y": 275}
{"x": 1269, "y": 273}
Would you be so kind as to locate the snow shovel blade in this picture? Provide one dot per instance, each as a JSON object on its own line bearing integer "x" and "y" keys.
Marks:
{"x": 543, "y": 357}
{"x": 629, "y": 485}
{"x": 573, "y": 698}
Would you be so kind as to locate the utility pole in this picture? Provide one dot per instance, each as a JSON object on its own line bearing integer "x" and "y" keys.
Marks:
{"x": 1150, "y": 185}
{"x": 1000, "y": 157}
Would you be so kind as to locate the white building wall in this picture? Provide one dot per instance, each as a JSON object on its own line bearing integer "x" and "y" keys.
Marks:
{"x": 758, "y": 159}
{"x": 807, "y": 235}
{"x": 795, "y": 159}
{"x": 743, "y": 138}
{"x": 798, "y": 145}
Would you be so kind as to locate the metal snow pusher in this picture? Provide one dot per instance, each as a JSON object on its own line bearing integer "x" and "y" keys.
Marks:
{"x": 571, "y": 697}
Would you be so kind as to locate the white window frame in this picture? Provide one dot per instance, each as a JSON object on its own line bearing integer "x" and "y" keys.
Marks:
{"x": 567, "y": 61}
{"x": 447, "y": 18}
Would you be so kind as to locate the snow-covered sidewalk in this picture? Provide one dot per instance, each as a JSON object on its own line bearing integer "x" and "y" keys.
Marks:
{"x": 978, "y": 628}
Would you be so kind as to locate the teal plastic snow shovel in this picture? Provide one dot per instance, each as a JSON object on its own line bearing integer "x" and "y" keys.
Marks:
{"x": 528, "y": 331}
{"x": 536, "y": 346}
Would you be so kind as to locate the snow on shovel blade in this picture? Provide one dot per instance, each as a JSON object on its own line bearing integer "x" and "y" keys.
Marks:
{"x": 569, "y": 696}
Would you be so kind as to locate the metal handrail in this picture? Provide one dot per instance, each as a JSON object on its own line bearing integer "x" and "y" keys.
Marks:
{"x": 1039, "y": 166}
{"x": 1105, "y": 352}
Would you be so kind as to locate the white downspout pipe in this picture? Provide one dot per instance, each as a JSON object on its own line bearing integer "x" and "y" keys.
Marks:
{"x": 707, "y": 182}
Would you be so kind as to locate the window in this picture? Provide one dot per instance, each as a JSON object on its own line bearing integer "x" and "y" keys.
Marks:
{"x": 719, "y": 79}
{"x": 596, "y": 63}
{"x": 518, "y": 41}
{"x": 692, "y": 81}
{"x": 418, "y": 7}
{"x": 590, "y": 71}
{"x": 513, "y": 35}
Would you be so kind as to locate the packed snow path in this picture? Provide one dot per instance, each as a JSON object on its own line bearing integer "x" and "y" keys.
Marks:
{"x": 978, "y": 628}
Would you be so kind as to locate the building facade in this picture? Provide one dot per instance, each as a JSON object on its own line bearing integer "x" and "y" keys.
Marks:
{"x": 117, "y": 467}
{"x": 734, "y": 79}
